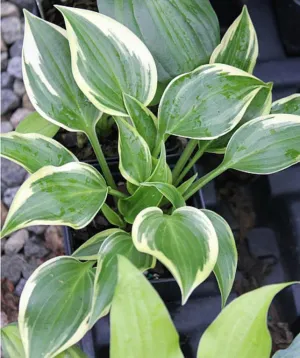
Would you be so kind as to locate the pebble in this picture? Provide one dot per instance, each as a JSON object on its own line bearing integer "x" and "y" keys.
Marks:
{"x": 16, "y": 49}
{"x": 4, "y": 60}
{"x": 26, "y": 4}
{"x": 16, "y": 242}
{"x": 4, "y": 212}
{"x": 9, "y": 101}
{"x": 35, "y": 247}
{"x": 7, "y": 80}
{"x": 29, "y": 267}
{"x": 54, "y": 239}
{"x": 2, "y": 244}
{"x": 19, "y": 87}
{"x": 12, "y": 174}
{"x": 9, "y": 9}
{"x": 14, "y": 67}
{"x": 19, "y": 115}
{"x": 11, "y": 29}
{"x": 12, "y": 266}
{"x": 3, "y": 319}
{"x": 9, "y": 195}
{"x": 6, "y": 126}
{"x": 37, "y": 229}
{"x": 20, "y": 286}
{"x": 26, "y": 102}
{"x": 3, "y": 45}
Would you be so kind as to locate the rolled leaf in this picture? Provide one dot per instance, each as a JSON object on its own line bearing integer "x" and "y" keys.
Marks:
{"x": 208, "y": 102}
{"x": 112, "y": 217}
{"x": 226, "y": 264}
{"x": 288, "y": 105}
{"x": 181, "y": 35}
{"x": 62, "y": 284}
{"x": 144, "y": 120}
{"x": 11, "y": 342}
{"x": 48, "y": 77}
{"x": 265, "y": 145}
{"x": 108, "y": 60}
{"x": 185, "y": 242}
{"x": 239, "y": 46}
{"x": 34, "y": 151}
{"x": 185, "y": 185}
{"x": 135, "y": 158}
{"x": 140, "y": 323}
{"x": 35, "y": 123}
{"x": 223, "y": 337}
{"x": 69, "y": 195}
{"x": 292, "y": 351}
{"x": 118, "y": 243}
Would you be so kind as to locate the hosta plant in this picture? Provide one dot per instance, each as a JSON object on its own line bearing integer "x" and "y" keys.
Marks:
{"x": 207, "y": 93}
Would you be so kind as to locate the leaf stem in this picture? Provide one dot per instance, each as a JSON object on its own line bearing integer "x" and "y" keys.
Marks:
{"x": 117, "y": 193}
{"x": 185, "y": 156}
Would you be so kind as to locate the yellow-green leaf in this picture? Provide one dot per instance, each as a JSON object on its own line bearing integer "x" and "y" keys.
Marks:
{"x": 35, "y": 123}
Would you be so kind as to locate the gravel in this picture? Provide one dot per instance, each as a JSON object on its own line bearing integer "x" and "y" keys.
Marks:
{"x": 19, "y": 115}
{"x": 20, "y": 286}
{"x": 12, "y": 174}
{"x": 9, "y": 101}
{"x": 9, "y": 195}
{"x": 14, "y": 67}
{"x": 4, "y": 60}
{"x": 35, "y": 247}
{"x": 7, "y": 80}
{"x": 11, "y": 29}
{"x": 19, "y": 88}
{"x": 12, "y": 266}
{"x": 16, "y": 49}
{"x": 9, "y": 9}
{"x": 16, "y": 242}
{"x": 6, "y": 126}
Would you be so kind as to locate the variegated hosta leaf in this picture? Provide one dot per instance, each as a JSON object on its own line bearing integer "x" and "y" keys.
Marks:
{"x": 288, "y": 105}
{"x": 108, "y": 60}
{"x": 144, "y": 120}
{"x": 48, "y": 77}
{"x": 11, "y": 342}
{"x": 118, "y": 243}
{"x": 181, "y": 35}
{"x": 239, "y": 46}
{"x": 34, "y": 151}
{"x": 265, "y": 145}
{"x": 135, "y": 158}
{"x": 112, "y": 216}
{"x": 55, "y": 306}
{"x": 140, "y": 323}
{"x": 241, "y": 328}
{"x": 226, "y": 264}
{"x": 185, "y": 242}
{"x": 73, "y": 352}
{"x": 89, "y": 250}
{"x": 35, "y": 123}
{"x": 260, "y": 106}
{"x": 208, "y": 102}
{"x": 69, "y": 195}
{"x": 144, "y": 197}
{"x": 292, "y": 351}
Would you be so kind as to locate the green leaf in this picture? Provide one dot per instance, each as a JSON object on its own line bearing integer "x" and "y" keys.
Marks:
{"x": 11, "y": 342}
{"x": 169, "y": 191}
{"x": 265, "y": 145}
{"x": 89, "y": 250}
{"x": 226, "y": 264}
{"x": 35, "y": 123}
{"x": 185, "y": 242}
{"x": 239, "y": 46}
{"x": 181, "y": 35}
{"x": 69, "y": 195}
{"x": 55, "y": 306}
{"x": 118, "y": 243}
{"x": 292, "y": 351}
{"x": 185, "y": 185}
{"x": 112, "y": 217}
{"x": 73, "y": 352}
{"x": 108, "y": 60}
{"x": 34, "y": 151}
{"x": 144, "y": 120}
{"x": 208, "y": 102}
{"x": 140, "y": 323}
{"x": 135, "y": 158}
{"x": 241, "y": 329}
{"x": 288, "y": 105}
{"x": 48, "y": 77}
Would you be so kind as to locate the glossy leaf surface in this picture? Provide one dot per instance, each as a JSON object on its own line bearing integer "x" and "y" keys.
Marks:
{"x": 288, "y": 105}
{"x": 35, "y": 123}
{"x": 292, "y": 351}
{"x": 11, "y": 342}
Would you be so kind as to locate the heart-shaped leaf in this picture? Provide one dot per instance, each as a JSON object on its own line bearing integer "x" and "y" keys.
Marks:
{"x": 108, "y": 60}
{"x": 48, "y": 77}
{"x": 35, "y": 123}
{"x": 241, "y": 328}
{"x": 11, "y": 342}
{"x": 288, "y": 105}
{"x": 185, "y": 242}
{"x": 239, "y": 46}
{"x": 118, "y": 243}
{"x": 265, "y": 145}
{"x": 206, "y": 103}
{"x": 60, "y": 285}
{"x": 181, "y": 35}
{"x": 292, "y": 351}
{"x": 140, "y": 323}
{"x": 144, "y": 120}
{"x": 34, "y": 151}
{"x": 226, "y": 264}
{"x": 135, "y": 157}
{"x": 69, "y": 195}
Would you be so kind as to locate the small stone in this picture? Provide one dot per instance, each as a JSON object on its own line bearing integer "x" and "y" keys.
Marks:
{"x": 20, "y": 286}
{"x": 19, "y": 87}
{"x": 3, "y": 319}
{"x": 9, "y": 9}
{"x": 4, "y": 60}
{"x": 9, "y": 195}
{"x": 54, "y": 239}
{"x": 12, "y": 267}
{"x": 11, "y": 29}
{"x": 4, "y": 212}
{"x": 16, "y": 49}
{"x": 2, "y": 244}
{"x": 9, "y": 101}
{"x": 6, "y": 127}
{"x": 11, "y": 173}
{"x": 29, "y": 267}
{"x": 37, "y": 229}
{"x": 35, "y": 247}
{"x": 14, "y": 67}
{"x": 19, "y": 115}
{"x": 16, "y": 242}
{"x": 26, "y": 102}
{"x": 7, "y": 80}
{"x": 25, "y": 4}
{"x": 3, "y": 45}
